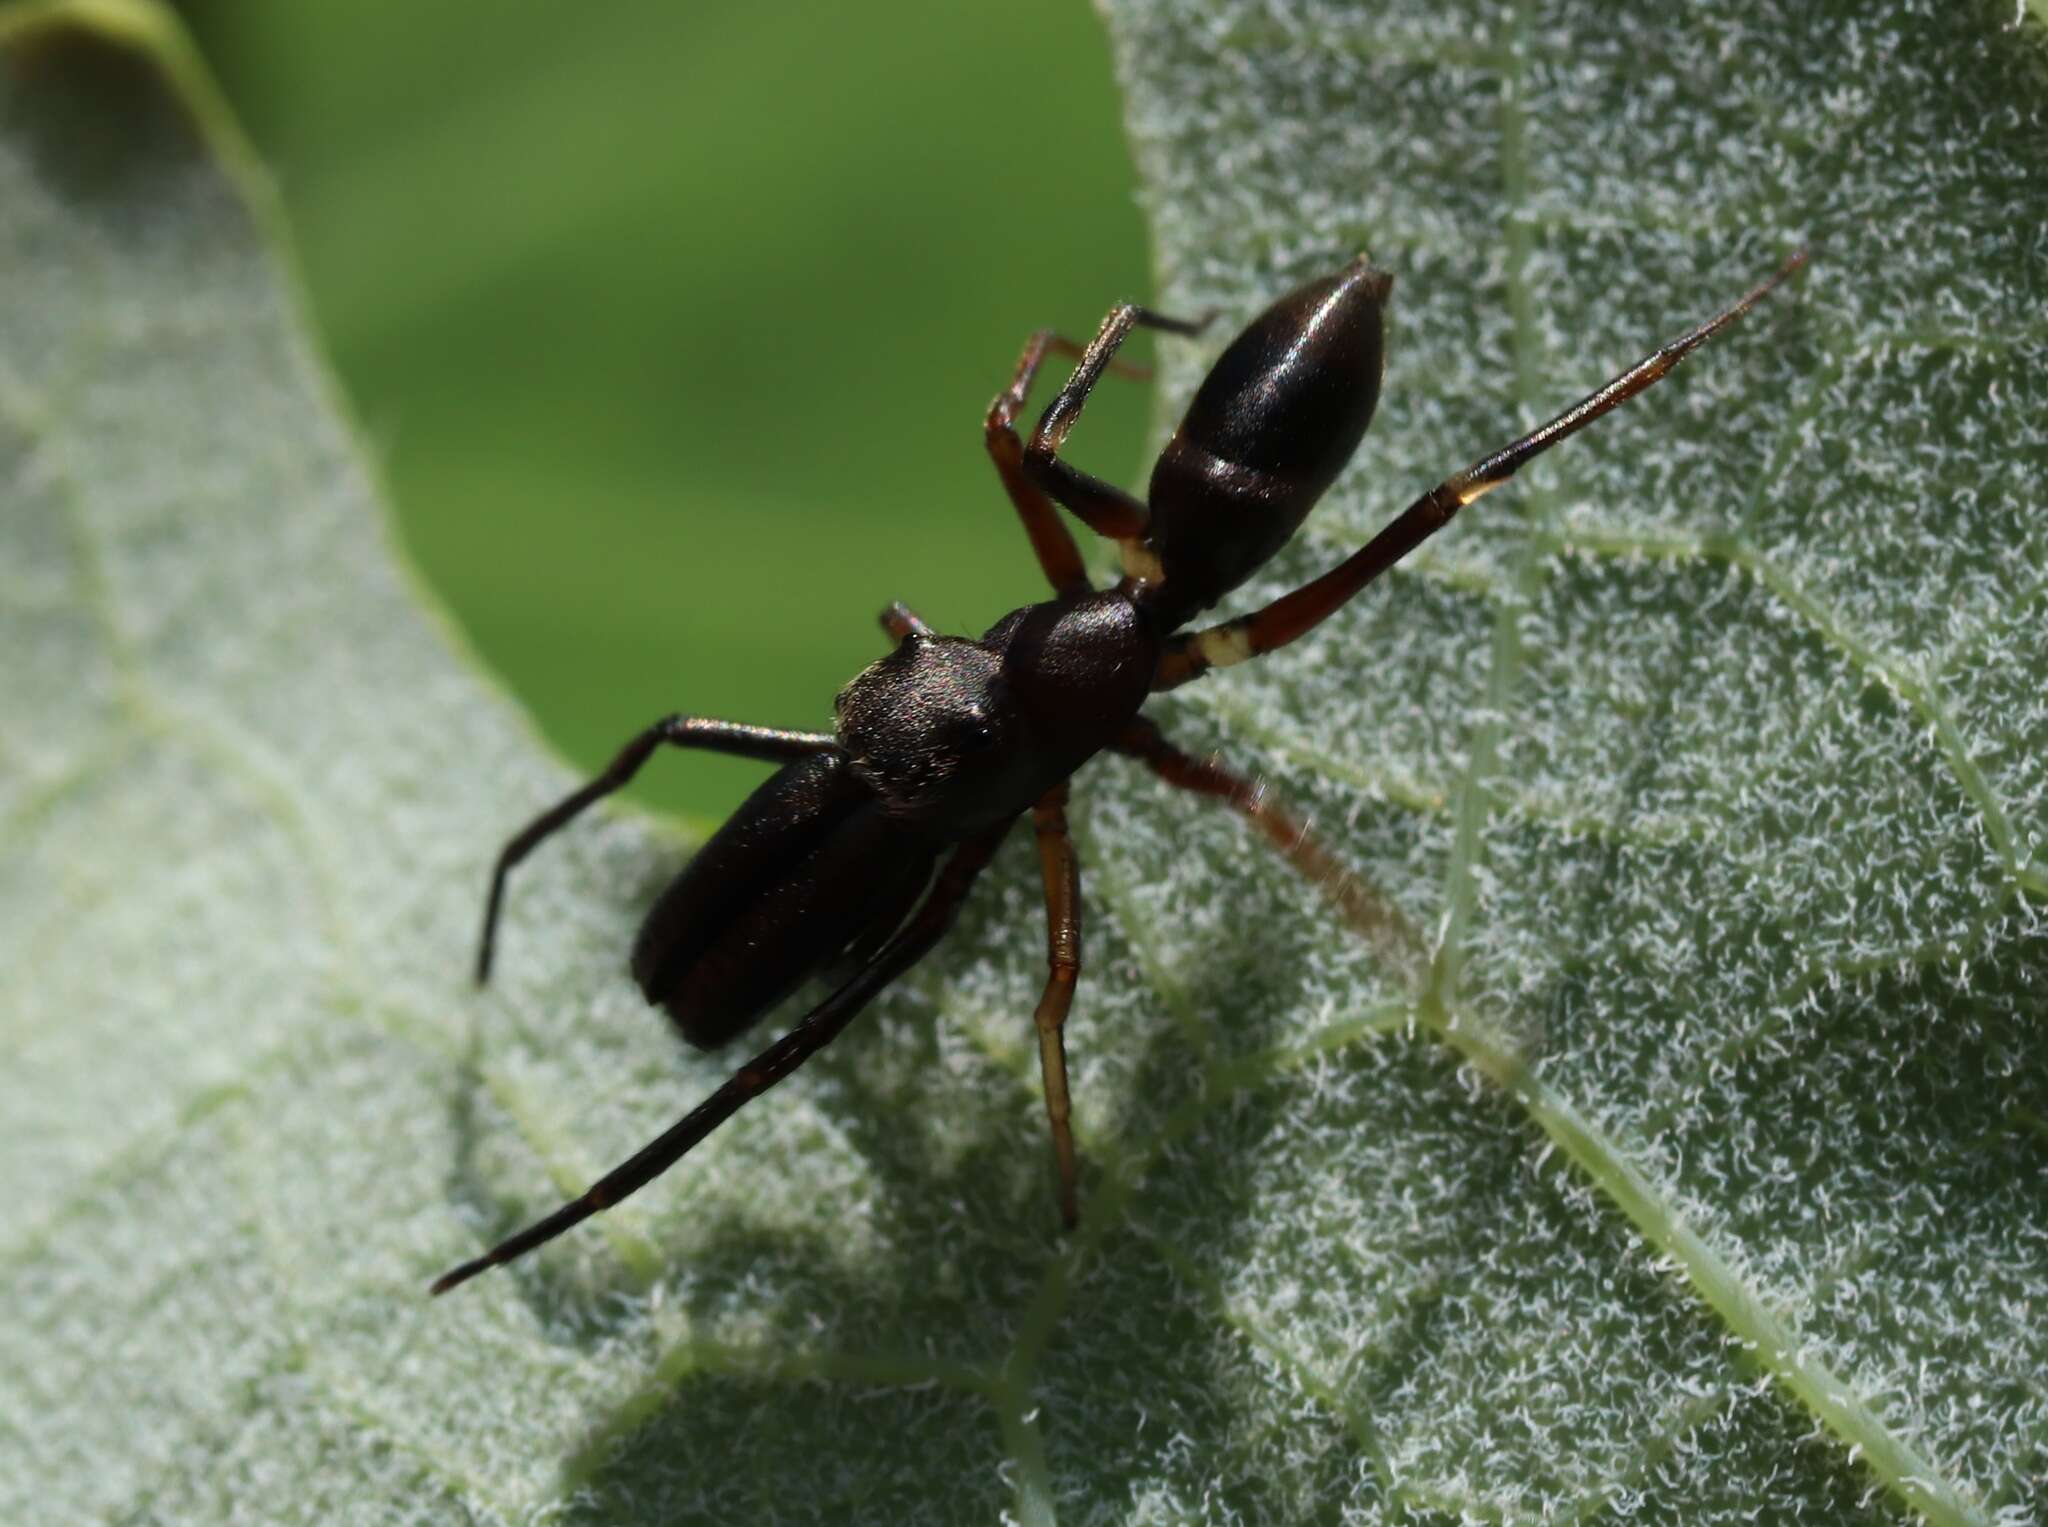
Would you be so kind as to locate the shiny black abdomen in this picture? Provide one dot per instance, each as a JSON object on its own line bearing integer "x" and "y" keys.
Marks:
{"x": 1271, "y": 426}
{"x": 807, "y": 866}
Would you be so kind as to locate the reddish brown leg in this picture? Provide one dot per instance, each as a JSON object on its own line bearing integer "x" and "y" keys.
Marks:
{"x": 1391, "y": 935}
{"x": 1063, "y": 954}
{"x": 1294, "y": 615}
{"x": 1105, "y": 510}
{"x": 1050, "y": 538}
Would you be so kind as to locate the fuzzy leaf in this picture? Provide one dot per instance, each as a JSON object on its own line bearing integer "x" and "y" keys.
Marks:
{"x": 1700, "y": 1173}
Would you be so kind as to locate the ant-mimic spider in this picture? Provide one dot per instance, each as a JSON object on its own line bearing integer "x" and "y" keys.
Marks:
{"x": 942, "y": 745}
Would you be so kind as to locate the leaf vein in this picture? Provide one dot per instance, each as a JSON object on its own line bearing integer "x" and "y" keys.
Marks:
{"x": 1888, "y": 670}
{"x": 1769, "y": 1339}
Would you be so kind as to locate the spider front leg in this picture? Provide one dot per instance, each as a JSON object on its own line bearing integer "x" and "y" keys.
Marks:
{"x": 1294, "y": 615}
{"x": 1050, "y": 539}
{"x": 766, "y": 743}
{"x": 1062, "y": 872}
{"x": 1106, "y": 510}
{"x": 1049, "y": 536}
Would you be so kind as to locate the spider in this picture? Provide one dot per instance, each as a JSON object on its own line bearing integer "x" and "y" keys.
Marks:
{"x": 858, "y": 852}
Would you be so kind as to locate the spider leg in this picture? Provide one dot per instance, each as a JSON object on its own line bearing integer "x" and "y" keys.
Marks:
{"x": 1294, "y": 615}
{"x": 1050, "y": 539}
{"x": 1062, "y": 874}
{"x": 819, "y": 1028}
{"x": 1106, "y": 510}
{"x": 1391, "y": 935}
{"x": 761, "y": 742}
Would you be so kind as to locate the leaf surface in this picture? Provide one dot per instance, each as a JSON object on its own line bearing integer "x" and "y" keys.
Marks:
{"x": 1700, "y": 1172}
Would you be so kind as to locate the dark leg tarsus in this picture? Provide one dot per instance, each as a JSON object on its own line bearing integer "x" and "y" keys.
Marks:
{"x": 1049, "y": 536}
{"x": 818, "y": 1029}
{"x": 762, "y": 742}
{"x": 1106, "y": 510}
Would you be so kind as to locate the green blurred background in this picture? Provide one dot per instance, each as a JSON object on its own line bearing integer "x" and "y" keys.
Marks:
{"x": 672, "y": 324}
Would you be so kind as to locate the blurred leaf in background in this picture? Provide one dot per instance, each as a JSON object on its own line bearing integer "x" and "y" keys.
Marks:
{"x": 674, "y": 323}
